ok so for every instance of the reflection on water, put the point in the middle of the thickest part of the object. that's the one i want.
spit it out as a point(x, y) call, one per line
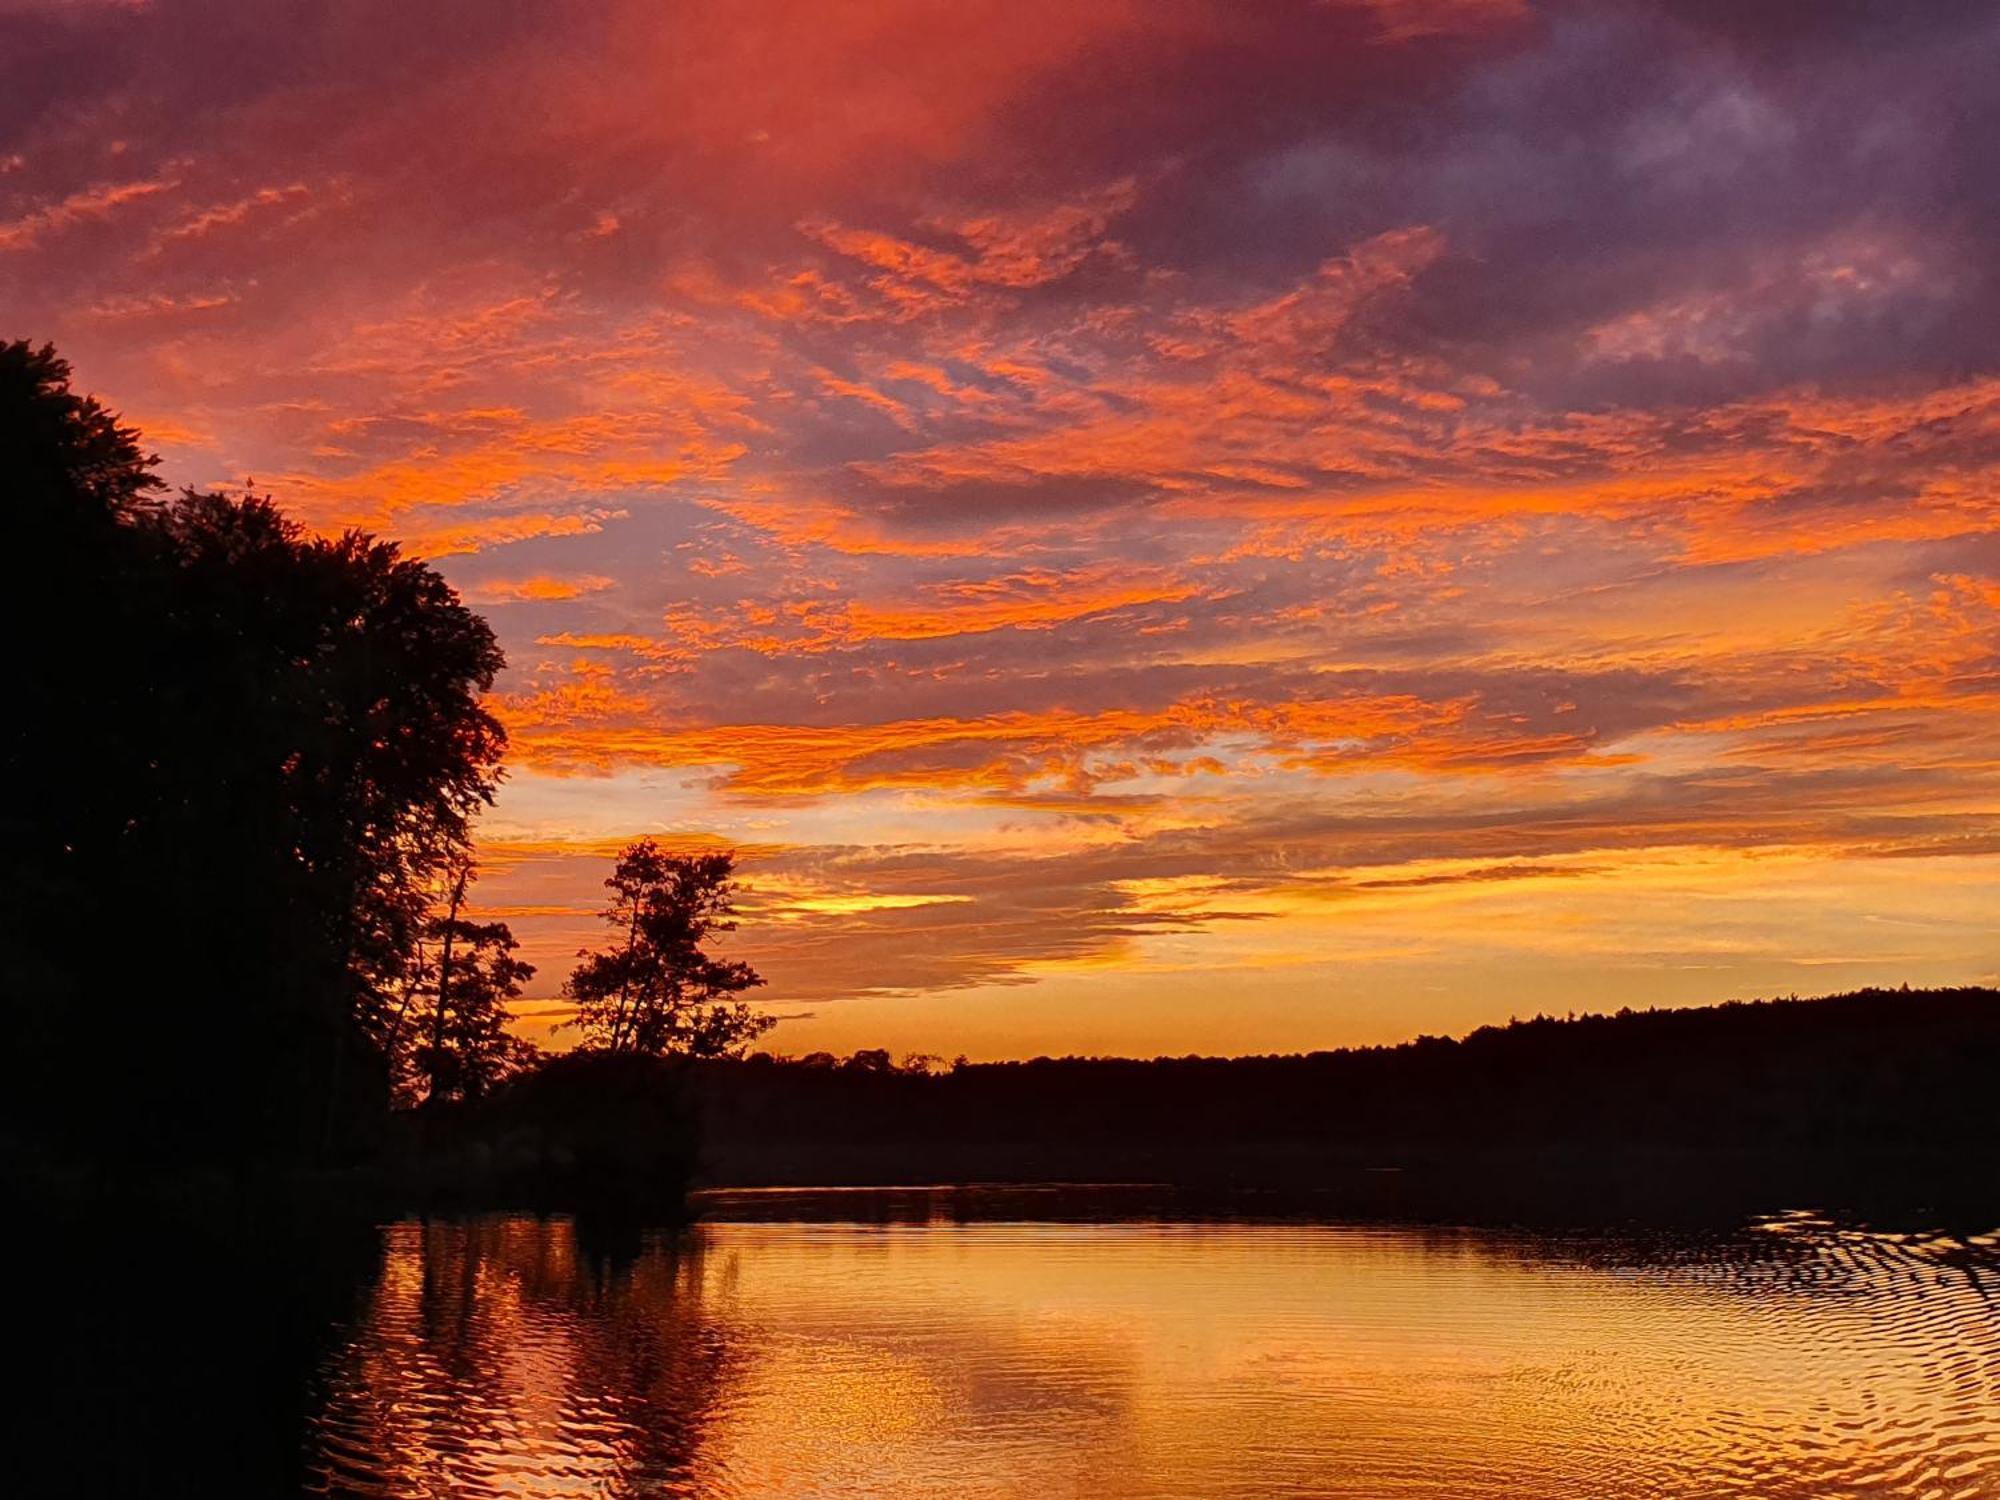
point(959, 1356)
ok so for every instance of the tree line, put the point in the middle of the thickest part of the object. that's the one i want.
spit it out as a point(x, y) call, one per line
point(243, 767)
point(1849, 1074)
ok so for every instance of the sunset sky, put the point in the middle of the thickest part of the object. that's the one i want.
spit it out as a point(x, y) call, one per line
point(1154, 527)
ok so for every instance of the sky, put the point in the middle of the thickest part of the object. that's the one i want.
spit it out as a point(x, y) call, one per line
point(1152, 527)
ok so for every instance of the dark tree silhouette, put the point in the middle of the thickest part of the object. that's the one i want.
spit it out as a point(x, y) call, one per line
point(467, 1048)
point(657, 992)
point(75, 485)
point(1743, 1106)
point(241, 757)
point(70, 466)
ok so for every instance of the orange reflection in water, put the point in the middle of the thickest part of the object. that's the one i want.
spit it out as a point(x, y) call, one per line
point(951, 1358)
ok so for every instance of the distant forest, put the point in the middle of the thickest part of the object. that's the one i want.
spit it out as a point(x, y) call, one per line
point(1873, 1071)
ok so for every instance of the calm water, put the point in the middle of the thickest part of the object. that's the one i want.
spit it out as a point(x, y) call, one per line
point(835, 1345)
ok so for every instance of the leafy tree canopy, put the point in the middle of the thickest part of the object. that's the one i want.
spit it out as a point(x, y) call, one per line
point(240, 759)
point(658, 991)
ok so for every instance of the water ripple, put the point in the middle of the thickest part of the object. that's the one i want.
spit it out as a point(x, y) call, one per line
point(1795, 1357)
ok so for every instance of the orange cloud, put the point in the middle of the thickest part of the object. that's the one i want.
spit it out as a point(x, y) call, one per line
point(98, 201)
point(540, 588)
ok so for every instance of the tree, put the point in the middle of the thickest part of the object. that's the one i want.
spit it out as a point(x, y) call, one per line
point(74, 483)
point(244, 754)
point(468, 1049)
point(69, 464)
point(658, 991)
point(332, 687)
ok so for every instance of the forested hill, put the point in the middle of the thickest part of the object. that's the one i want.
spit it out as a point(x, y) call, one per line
point(1873, 1069)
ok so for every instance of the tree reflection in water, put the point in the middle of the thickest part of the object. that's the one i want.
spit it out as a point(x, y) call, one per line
point(515, 1356)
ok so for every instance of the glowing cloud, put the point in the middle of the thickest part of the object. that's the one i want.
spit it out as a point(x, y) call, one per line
point(1150, 525)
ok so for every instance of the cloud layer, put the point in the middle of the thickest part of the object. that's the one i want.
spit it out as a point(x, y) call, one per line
point(1155, 527)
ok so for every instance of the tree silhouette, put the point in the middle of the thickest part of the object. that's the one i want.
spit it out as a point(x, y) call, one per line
point(658, 992)
point(468, 1048)
point(74, 484)
point(248, 752)
point(69, 464)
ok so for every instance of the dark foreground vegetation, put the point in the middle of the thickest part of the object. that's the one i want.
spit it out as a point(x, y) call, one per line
point(239, 937)
point(1848, 1095)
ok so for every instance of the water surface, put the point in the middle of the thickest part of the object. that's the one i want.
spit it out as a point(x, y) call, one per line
point(824, 1345)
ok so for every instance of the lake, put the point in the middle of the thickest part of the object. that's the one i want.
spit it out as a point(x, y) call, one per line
point(960, 1344)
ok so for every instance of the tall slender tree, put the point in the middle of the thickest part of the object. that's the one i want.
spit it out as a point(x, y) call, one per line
point(469, 1048)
